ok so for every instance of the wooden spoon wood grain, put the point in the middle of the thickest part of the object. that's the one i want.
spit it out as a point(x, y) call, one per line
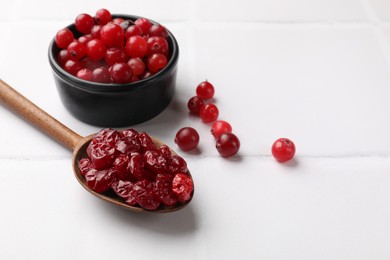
point(12, 99)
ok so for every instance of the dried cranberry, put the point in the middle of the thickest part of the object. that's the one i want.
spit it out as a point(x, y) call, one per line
point(136, 166)
point(177, 164)
point(85, 165)
point(130, 133)
point(122, 188)
point(182, 186)
point(128, 145)
point(121, 166)
point(155, 162)
point(165, 151)
point(143, 192)
point(107, 135)
point(163, 190)
point(100, 180)
point(102, 155)
point(146, 142)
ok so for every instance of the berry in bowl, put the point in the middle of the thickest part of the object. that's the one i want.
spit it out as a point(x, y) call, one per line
point(114, 70)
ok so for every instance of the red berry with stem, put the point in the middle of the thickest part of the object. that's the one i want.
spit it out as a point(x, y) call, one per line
point(144, 24)
point(63, 38)
point(283, 149)
point(136, 47)
point(112, 35)
point(205, 90)
point(121, 73)
point(84, 23)
point(103, 16)
point(209, 113)
point(156, 62)
point(95, 49)
point(227, 144)
point(76, 50)
point(220, 127)
point(187, 138)
point(194, 104)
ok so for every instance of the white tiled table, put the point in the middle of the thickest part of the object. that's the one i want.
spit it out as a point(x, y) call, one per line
point(316, 71)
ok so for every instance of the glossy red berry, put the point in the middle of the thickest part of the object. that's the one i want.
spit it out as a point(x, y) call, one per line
point(121, 73)
point(156, 62)
point(209, 113)
point(84, 23)
point(101, 75)
point(205, 90)
point(158, 30)
point(114, 55)
point(85, 74)
point(95, 49)
point(62, 57)
point(95, 31)
point(227, 144)
point(187, 138)
point(136, 47)
point(137, 65)
point(72, 66)
point(144, 24)
point(220, 127)
point(157, 44)
point(133, 30)
point(194, 104)
point(112, 35)
point(76, 50)
point(63, 38)
point(102, 16)
point(283, 149)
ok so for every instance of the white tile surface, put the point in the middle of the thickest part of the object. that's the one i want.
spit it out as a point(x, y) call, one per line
point(315, 71)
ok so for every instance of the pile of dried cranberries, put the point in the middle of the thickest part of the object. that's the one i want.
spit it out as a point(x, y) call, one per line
point(112, 50)
point(136, 169)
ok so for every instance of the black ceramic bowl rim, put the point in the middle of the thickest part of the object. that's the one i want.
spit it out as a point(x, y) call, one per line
point(112, 87)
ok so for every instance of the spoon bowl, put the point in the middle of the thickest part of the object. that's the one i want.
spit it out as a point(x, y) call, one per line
point(71, 140)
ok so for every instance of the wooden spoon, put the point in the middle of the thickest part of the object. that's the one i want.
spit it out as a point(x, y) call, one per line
point(65, 136)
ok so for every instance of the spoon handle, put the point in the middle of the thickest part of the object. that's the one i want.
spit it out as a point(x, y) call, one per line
point(36, 116)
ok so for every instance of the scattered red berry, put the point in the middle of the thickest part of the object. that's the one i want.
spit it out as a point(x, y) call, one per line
point(205, 90)
point(187, 138)
point(194, 104)
point(209, 113)
point(227, 144)
point(283, 149)
point(220, 127)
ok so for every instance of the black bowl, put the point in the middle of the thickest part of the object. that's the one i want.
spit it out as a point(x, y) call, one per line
point(116, 105)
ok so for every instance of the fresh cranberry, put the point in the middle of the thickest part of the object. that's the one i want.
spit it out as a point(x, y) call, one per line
point(114, 55)
point(101, 75)
point(220, 127)
point(96, 49)
point(102, 16)
point(194, 104)
point(76, 50)
point(187, 138)
point(144, 24)
point(121, 73)
point(157, 44)
point(227, 144)
point(209, 113)
point(182, 186)
point(156, 62)
point(95, 31)
point(158, 30)
point(85, 74)
point(84, 39)
point(133, 30)
point(62, 57)
point(118, 20)
point(205, 90)
point(63, 38)
point(72, 66)
point(112, 35)
point(136, 46)
point(84, 23)
point(283, 149)
point(137, 65)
